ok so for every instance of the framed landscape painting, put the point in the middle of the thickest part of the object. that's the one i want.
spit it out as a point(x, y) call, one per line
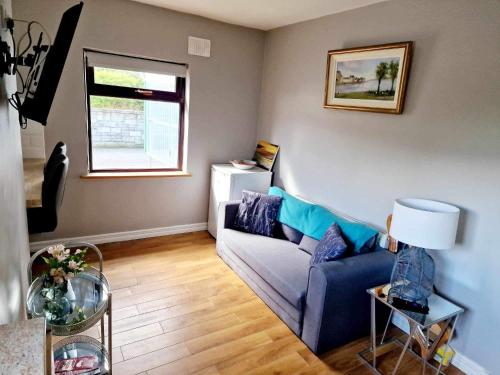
point(368, 78)
point(265, 154)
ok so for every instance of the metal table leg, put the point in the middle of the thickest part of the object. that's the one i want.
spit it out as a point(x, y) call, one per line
point(424, 357)
point(447, 345)
point(386, 326)
point(374, 332)
point(110, 340)
point(413, 328)
point(103, 338)
point(424, 365)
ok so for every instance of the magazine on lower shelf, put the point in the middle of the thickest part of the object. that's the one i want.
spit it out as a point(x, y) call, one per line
point(88, 365)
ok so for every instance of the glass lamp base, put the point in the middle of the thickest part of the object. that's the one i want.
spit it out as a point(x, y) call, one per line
point(412, 279)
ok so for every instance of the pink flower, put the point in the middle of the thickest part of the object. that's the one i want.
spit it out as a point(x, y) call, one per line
point(61, 258)
point(56, 251)
point(58, 275)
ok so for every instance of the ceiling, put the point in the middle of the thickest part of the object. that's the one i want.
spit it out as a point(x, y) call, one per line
point(261, 14)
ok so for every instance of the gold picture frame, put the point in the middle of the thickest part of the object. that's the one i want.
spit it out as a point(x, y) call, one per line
point(371, 79)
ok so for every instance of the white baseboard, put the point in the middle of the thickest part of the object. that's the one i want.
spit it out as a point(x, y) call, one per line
point(468, 366)
point(124, 236)
point(460, 361)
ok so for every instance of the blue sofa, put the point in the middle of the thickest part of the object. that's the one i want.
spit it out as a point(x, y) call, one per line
point(325, 305)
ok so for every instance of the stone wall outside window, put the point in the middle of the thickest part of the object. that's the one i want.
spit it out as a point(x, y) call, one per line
point(117, 128)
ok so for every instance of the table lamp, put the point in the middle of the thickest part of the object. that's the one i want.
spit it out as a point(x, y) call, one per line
point(419, 224)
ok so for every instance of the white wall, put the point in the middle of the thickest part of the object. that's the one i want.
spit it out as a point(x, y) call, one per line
point(33, 141)
point(14, 252)
point(445, 146)
point(224, 95)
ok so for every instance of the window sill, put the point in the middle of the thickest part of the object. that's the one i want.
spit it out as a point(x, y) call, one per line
point(103, 175)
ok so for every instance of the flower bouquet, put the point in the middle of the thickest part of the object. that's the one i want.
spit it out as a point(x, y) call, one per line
point(57, 291)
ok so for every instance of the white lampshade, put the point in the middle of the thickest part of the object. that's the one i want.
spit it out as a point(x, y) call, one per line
point(424, 223)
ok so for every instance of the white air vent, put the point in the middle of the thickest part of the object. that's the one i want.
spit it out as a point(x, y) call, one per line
point(198, 46)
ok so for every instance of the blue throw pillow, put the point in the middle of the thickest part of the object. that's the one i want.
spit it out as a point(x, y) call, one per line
point(257, 213)
point(313, 220)
point(332, 246)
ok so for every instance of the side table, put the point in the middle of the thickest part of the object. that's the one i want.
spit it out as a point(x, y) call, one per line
point(441, 312)
point(91, 293)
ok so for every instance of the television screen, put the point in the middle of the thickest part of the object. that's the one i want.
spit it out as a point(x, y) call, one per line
point(40, 94)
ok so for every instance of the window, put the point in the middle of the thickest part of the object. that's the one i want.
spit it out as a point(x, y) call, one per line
point(135, 113)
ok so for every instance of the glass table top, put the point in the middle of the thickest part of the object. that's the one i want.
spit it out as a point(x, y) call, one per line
point(440, 308)
point(87, 291)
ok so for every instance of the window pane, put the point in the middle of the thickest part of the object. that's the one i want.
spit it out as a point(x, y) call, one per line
point(138, 80)
point(133, 134)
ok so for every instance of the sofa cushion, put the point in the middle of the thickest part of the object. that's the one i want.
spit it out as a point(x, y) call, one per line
point(288, 313)
point(313, 220)
point(332, 246)
point(290, 234)
point(257, 213)
point(278, 262)
point(308, 244)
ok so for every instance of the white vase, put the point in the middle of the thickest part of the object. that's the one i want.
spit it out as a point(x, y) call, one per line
point(70, 295)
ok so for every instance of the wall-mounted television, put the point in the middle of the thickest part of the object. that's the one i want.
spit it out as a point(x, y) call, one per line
point(42, 87)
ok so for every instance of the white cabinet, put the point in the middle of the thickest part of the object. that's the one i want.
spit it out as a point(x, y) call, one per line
point(227, 183)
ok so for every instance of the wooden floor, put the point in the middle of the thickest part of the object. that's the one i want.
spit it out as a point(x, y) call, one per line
point(178, 309)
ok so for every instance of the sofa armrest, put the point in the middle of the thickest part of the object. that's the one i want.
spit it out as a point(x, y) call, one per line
point(226, 214)
point(337, 305)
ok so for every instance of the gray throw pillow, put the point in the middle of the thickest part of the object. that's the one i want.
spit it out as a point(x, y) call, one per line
point(291, 234)
point(332, 246)
point(257, 213)
point(308, 244)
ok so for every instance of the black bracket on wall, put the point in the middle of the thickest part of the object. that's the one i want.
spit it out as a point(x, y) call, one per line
point(9, 61)
point(6, 62)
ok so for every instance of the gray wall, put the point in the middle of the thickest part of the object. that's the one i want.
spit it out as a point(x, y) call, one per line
point(224, 95)
point(445, 146)
point(14, 251)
